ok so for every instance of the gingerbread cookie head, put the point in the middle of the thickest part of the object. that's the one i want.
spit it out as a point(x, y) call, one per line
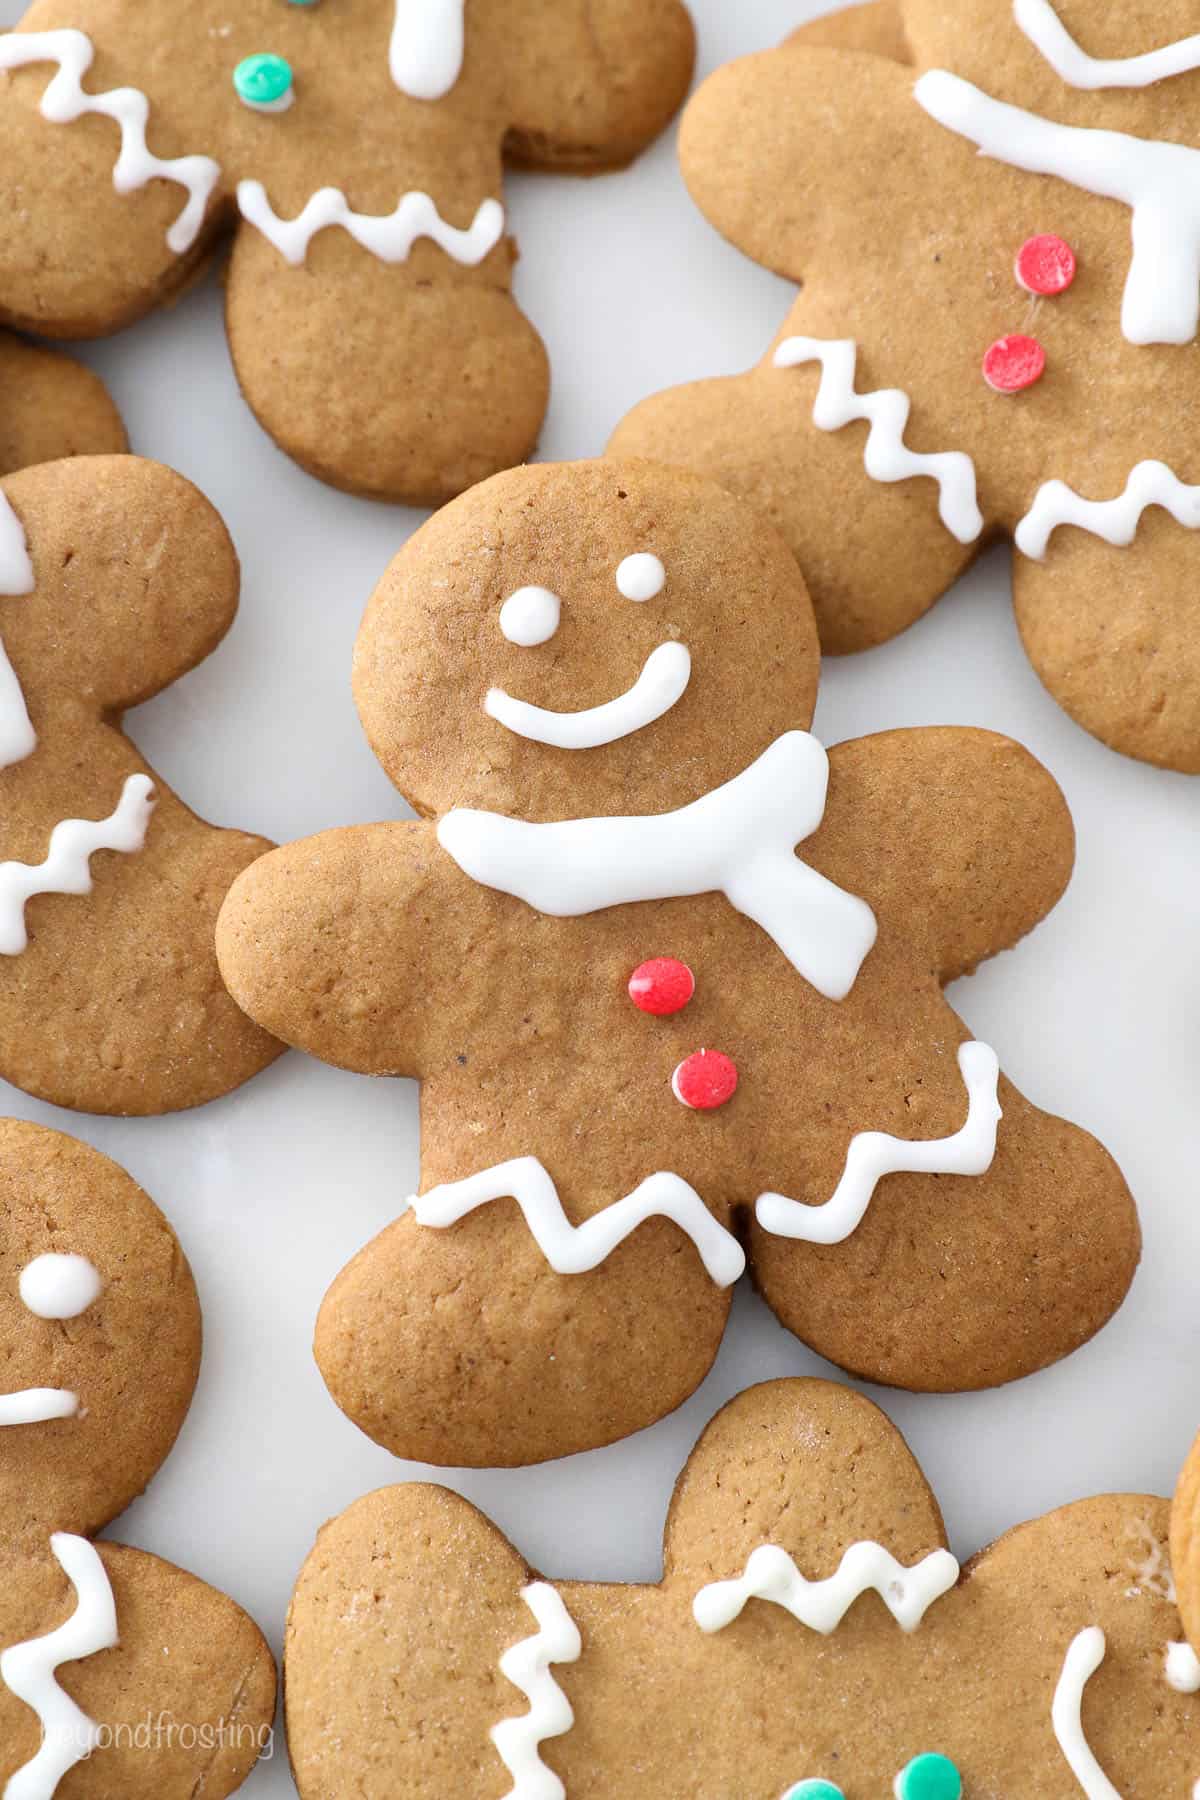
point(807, 1573)
point(51, 407)
point(979, 348)
point(116, 577)
point(101, 1332)
point(356, 146)
point(670, 975)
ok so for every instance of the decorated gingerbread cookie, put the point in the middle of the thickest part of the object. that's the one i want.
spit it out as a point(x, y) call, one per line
point(995, 335)
point(654, 1038)
point(51, 407)
point(168, 1689)
point(355, 147)
point(812, 1638)
point(117, 577)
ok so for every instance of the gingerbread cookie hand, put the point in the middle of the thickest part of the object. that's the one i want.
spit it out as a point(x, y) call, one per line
point(976, 349)
point(806, 1572)
point(356, 150)
point(670, 977)
point(51, 407)
point(171, 1686)
point(118, 577)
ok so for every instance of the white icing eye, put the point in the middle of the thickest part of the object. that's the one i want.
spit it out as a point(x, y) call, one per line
point(530, 616)
point(60, 1287)
point(641, 577)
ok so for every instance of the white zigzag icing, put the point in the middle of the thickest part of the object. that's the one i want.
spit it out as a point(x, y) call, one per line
point(65, 101)
point(1117, 521)
point(1042, 25)
point(28, 1670)
point(874, 1154)
point(389, 236)
point(771, 1575)
point(1083, 1658)
point(527, 1666)
point(886, 457)
point(574, 1249)
point(66, 869)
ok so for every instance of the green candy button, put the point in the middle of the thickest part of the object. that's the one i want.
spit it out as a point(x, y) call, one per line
point(263, 80)
point(929, 1777)
point(814, 1790)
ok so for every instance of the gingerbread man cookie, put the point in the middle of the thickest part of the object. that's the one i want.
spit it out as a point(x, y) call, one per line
point(978, 349)
point(117, 577)
point(355, 147)
point(51, 407)
point(167, 1689)
point(812, 1638)
point(655, 1039)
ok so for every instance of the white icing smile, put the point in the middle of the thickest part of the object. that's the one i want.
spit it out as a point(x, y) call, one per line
point(37, 1406)
point(661, 684)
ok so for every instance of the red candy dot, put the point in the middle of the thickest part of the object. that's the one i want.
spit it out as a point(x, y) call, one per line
point(705, 1080)
point(1014, 363)
point(661, 986)
point(1046, 265)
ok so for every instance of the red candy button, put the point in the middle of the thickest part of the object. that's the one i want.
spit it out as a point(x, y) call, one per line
point(661, 986)
point(1014, 363)
point(1046, 265)
point(705, 1080)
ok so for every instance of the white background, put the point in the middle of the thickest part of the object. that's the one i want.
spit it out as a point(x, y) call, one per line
point(1097, 1016)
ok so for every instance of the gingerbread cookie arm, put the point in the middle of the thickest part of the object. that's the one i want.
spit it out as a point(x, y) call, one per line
point(971, 845)
point(609, 76)
point(876, 26)
point(106, 1642)
point(1094, 625)
point(350, 945)
point(1185, 1544)
point(51, 406)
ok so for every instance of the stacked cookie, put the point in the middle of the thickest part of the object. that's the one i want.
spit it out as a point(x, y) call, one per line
point(670, 974)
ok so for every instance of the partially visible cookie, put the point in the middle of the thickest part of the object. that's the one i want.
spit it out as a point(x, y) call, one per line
point(119, 577)
point(812, 1638)
point(51, 406)
point(171, 1685)
point(1185, 1544)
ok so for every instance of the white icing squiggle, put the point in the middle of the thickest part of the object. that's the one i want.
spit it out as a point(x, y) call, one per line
point(738, 840)
point(66, 869)
point(1080, 1664)
point(1117, 521)
point(661, 684)
point(822, 1605)
point(16, 569)
point(17, 736)
point(575, 1249)
point(527, 1666)
point(1183, 1669)
point(428, 43)
point(37, 1406)
point(874, 1154)
point(65, 101)
point(886, 456)
point(1158, 181)
point(1042, 25)
point(28, 1670)
point(389, 236)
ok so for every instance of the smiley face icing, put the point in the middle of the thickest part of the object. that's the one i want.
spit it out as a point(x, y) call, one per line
point(116, 577)
point(355, 151)
point(100, 1347)
point(673, 991)
point(812, 1638)
point(995, 334)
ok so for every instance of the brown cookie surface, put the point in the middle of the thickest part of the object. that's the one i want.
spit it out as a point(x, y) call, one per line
point(100, 1328)
point(110, 999)
point(368, 300)
point(861, 179)
point(564, 1277)
point(1185, 1544)
point(810, 1626)
point(51, 407)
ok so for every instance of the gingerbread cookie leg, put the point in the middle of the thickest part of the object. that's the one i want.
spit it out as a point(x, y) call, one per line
point(51, 407)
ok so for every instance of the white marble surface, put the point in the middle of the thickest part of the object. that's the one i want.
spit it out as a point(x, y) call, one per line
point(1097, 1016)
